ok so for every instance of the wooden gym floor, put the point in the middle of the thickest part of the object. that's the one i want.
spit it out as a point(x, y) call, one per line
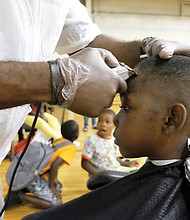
point(73, 177)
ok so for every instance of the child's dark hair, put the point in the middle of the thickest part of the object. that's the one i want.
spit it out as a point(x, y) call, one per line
point(165, 72)
point(108, 111)
point(70, 130)
point(171, 77)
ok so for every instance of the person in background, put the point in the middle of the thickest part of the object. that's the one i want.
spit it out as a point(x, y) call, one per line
point(86, 119)
point(33, 112)
point(45, 191)
point(100, 153)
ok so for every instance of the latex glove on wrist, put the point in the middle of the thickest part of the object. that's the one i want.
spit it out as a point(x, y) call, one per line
point(165, 49)
point(90, 83)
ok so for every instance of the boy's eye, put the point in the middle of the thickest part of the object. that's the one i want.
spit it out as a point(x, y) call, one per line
point(124, 108)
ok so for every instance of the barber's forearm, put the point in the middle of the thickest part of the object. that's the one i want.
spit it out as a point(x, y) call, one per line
point(23, 83)
point(127, 52)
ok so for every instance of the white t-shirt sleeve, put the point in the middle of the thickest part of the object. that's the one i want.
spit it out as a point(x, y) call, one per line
point(78, 31)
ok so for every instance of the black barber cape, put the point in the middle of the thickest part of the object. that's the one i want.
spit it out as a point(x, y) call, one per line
point(152, 193)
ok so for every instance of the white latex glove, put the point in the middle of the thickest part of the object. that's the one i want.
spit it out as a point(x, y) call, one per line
point(164, 48)
point(90, 83)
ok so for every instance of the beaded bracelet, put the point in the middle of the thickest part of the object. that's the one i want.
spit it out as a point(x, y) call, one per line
point(55, 80)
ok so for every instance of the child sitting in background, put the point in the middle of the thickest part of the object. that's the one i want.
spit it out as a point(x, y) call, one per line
point(47, 189)
point(154, 121)
point(100, 153)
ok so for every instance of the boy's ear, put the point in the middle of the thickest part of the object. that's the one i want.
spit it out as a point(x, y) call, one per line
point(176, 118)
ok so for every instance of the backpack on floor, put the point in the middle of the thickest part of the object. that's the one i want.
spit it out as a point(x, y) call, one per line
point(34, 160)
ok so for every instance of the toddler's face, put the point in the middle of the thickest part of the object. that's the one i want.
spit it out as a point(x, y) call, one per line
point(139, 122)
point(105, 125)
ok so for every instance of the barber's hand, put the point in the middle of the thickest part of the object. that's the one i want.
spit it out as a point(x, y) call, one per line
point(164, 48)
point(90, 83)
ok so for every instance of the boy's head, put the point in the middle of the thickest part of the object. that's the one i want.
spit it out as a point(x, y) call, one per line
point(154, 116)
point(105, 124)
point(70, 130)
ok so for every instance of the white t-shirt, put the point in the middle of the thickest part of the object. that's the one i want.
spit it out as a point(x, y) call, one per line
point(32, 30)
point(101, 152)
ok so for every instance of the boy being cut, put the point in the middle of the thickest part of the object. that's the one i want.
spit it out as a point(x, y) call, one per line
point(154, 121)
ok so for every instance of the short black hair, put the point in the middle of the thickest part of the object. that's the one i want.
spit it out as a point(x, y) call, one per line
point(171, 77)
point(174, 70)
point(70, 130)
point(109, 112)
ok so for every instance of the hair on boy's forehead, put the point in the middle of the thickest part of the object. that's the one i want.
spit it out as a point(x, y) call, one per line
point(164, 80)
point(165, 72)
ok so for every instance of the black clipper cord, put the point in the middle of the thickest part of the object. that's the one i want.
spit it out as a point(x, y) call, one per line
point(21, 156)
